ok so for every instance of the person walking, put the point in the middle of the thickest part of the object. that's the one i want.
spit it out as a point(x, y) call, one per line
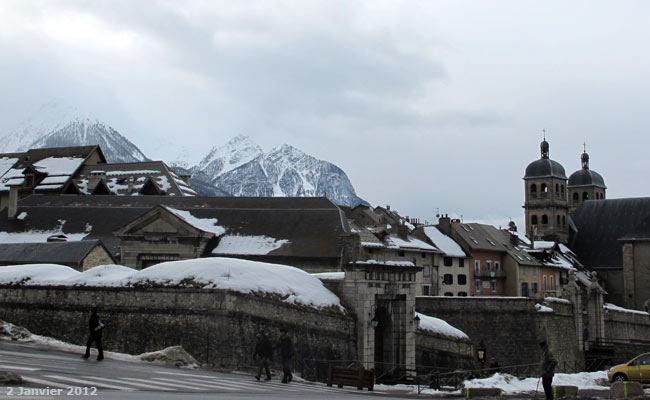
point(263, 350)
point(95, 326)
point(287, 351)
point(547, 369)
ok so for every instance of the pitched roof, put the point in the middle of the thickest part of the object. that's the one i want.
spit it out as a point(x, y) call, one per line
point(600, 225)
point(443, 242)
point(130, 178)
point(66, 253)
point(476, 237)
point(312, 227)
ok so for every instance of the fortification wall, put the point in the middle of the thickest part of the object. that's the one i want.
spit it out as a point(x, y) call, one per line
point(217, 327)
point(629, 332)
point(441, 351)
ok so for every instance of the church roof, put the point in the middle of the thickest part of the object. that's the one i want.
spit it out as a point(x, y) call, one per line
point(545, 167)
point(586, 177)
point(601, 225)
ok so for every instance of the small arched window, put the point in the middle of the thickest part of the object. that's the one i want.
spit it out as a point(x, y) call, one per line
point(557, 190)
point(533, 220)
point(576, 198)
point(544, 188)
point(585, 196)
point(562, 188)
point(558, 220)
point(533, 189)
point(544, 219)
point(563, 220)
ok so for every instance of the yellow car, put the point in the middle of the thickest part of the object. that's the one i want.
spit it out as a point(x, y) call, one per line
point(637, 369)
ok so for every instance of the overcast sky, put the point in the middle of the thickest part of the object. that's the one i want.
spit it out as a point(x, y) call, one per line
point(427, 105)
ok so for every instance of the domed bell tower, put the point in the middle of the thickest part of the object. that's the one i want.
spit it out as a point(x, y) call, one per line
point(545, 205)
point(585, 184)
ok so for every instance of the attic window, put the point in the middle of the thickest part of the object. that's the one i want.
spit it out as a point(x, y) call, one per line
point(491, 242)
point(474, 240)
point(465, 227)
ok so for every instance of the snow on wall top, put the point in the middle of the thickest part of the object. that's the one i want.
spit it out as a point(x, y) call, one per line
point(293, 285)
point(446, 244)
point(248, 245)
point(205, 224)
point(439, 326)
point(613, 307)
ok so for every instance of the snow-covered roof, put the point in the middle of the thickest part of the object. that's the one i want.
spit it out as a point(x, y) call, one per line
point(248, 245)
point(293, 285)
point(437, 325)
point(208, 225)
point(392, 263)
point(329, 276)
point(396, 242)
point(443, 242)
point(557, 300)
point(540, 244)
point(59, 166)
point(6, 163)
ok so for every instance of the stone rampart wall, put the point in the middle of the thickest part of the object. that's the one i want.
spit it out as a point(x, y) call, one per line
point(441, 351)
point(628, 332)
point(217, 327)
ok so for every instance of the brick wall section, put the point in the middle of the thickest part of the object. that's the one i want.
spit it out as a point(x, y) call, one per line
point(216, 327)
point(629, 331)
point(443, 352)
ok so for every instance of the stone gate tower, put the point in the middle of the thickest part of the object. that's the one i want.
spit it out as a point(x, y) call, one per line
point(546, 206)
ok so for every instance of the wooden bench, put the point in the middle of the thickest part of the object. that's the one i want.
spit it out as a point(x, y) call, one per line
point(358, 377)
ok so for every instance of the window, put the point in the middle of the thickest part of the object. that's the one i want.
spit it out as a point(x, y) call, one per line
point(461, 263)
point(524, 289)
point(478, 285)
point(488, 265)
point(558, 220)
point(576, 198)
point(534, 287)
point(497, 266)
point(400, 253)
point(544, 188)
point(585, 196)
point(448, 261)
point(462, 279)
point(424, 255)
point(448, 279)
point(557, 190)
point(544, 219)
point(545, 287)
point(523, 270)
point(552, 283)
point(563, 220)
point(462, 294)
point(450, 294)
point(533, 190)
point(533, 271)
point(533, 220)
point(493, 285)
point(562, 189)
point(426, 290)
point(426, 271)
point(477, 267)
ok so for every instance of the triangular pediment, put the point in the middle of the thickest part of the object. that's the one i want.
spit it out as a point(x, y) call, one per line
point(159, 221)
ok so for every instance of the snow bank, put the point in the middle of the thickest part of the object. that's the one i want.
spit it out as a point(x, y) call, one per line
point(102, 275)
point(437, 325)
point(613, 307)
point(36, 274)
point(542, 308)
point(513, 385)
point(291, 284)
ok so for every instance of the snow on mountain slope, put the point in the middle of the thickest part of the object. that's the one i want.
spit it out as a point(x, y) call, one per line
point(81, 132)
point(284, 171)
point(222, 159)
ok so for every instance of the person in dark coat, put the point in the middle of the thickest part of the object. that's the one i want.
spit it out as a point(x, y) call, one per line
point(263, 354)
point(287, 351)
point(95, 325)
point(547, 369)
point(494, 366)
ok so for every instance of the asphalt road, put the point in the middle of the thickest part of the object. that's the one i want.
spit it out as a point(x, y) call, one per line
point(55, 374)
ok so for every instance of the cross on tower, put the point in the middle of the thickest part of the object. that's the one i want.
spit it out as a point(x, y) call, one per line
point(544, 130)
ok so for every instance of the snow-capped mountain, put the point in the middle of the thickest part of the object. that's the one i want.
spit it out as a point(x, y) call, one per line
point(57, 125)
point(241, 168)
point(81, 132)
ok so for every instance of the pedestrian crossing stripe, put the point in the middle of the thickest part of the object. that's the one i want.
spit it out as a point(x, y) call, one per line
point(226, 384)
point(45, 382)
point(19, 368)
point(90, 383)
point(203, 385)
point(137, 384)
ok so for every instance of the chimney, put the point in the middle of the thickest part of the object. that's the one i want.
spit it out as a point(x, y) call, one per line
point(388, 207)
point(12, 207)
point(94, 178)
point(514, 239)
point(402, 231)
point(444, 224)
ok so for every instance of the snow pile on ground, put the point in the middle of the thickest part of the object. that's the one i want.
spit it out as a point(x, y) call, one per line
point(437, 325)
point(290, 284)
point(13, 332)
point(175, 355)
point(36, 274)
point(513, 385)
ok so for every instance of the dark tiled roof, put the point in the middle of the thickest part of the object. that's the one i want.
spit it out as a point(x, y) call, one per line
point(601, 224)
point(313, 226)
point(34, 155)
point(65, 253)
point(545, 167)
point(586, 177)
point(129, 178)
point(476, 237)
